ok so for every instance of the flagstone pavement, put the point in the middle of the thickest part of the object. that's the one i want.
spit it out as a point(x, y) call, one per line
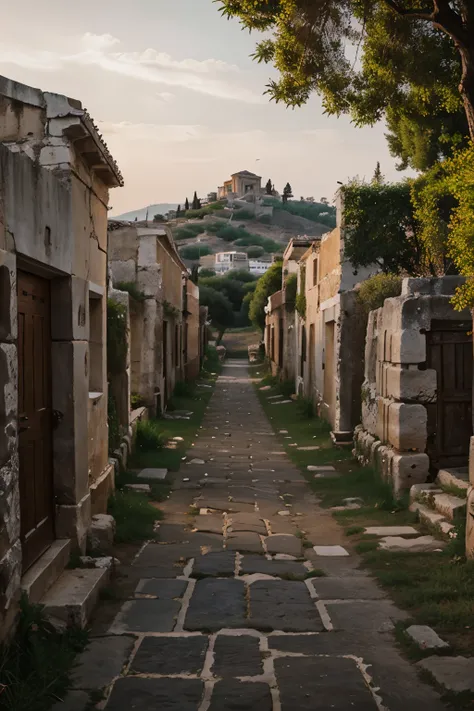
point(226, 614)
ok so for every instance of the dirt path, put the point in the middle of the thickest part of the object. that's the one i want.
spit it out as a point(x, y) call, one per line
point(207, 628)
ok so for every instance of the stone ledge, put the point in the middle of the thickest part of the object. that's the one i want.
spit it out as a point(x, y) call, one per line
point(44, 573)
point(74, 595)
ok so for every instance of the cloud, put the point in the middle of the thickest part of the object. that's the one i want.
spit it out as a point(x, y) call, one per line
point(165, 96)
point(150, 132)
point(209, 76)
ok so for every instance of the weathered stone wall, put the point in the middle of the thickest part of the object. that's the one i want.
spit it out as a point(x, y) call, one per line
point(397, 385)
point(191, 345)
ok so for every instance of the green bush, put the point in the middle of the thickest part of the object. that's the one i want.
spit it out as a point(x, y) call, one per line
point(314, 211)
point(205, 272)
point(300, 305)
point(305, 407)
point(149, 435)
point(35, 665)
point(291, 286)
point(134, 516)
point(188, 230)
point(116, 338)
point(373, 292)
point(136, 401)
point(265, 219)
point(255, 252)
point(199, 214)
point(184, 389)
point(194, 251)
point(243, 214)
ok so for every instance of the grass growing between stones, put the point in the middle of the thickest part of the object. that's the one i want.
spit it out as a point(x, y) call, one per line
point(134, 516)
point(35, 666)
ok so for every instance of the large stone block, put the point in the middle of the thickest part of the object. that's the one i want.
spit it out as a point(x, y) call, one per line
point(74, 521)
point(70, 399)
point(407, 346)
point(123, 271)
point(8, 401)
point(149, 280)
point(410, 384)
point(70, 316)
point(101, 533)
point(408, 469)
point(407, 426)
point(10, 590)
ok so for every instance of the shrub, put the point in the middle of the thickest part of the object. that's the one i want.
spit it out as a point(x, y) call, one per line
point(305, 407)
point(134, 516)
point(255, 252)
point(205, 272)
point(265, 219)
point(149, 435)
point(183, 389)
point(194, 251)
point(291, 286)
point(116, 338)
point(373, 292)
point(199, 213)
point(188, 231)
point(132, 289)
point(136, 401)
point(244, 214)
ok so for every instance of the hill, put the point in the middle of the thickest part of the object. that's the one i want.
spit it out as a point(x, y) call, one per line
point(158, 209)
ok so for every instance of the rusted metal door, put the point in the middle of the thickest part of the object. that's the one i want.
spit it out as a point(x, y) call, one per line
point(35, 416)
point(449, 352)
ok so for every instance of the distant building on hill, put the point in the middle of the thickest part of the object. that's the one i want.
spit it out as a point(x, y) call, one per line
point(226, 261)
point(240, 184)
point(260, 265)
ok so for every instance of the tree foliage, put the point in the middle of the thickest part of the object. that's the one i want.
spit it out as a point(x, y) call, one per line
point(410, 57)
point(373, 291)
point(195, 251)
point(381, 228)
point(444, 206)
point(220, 308)
point(196, 204)
point(291, 287)
point(269, 187)
point(268, 284)
point(287, 193)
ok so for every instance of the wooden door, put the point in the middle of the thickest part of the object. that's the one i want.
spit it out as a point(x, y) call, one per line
point(449, 352)
point(35, 416)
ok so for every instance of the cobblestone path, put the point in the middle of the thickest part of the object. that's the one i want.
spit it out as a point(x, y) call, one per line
point(226, 614)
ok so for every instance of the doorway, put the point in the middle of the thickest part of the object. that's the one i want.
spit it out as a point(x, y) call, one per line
point(35, 416)
point(329, 370)
point(449, 352)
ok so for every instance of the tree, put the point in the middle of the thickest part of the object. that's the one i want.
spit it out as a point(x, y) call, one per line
point(381, 228)
point(269, 187)
point(378, 177)
point(287, 192)
point(194, 251)
point(178, 211)
point(186, 204)
point(196, 204)
point(255, 252)
point(205, 272)
point(220, 308)
point(268, 284)
point(159, 218)
point(404, 46)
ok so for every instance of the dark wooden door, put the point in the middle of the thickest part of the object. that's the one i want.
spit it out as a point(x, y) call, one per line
point(449, 352)
point(35, 416)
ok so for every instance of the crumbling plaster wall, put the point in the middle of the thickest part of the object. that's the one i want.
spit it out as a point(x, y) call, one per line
point(397, 386)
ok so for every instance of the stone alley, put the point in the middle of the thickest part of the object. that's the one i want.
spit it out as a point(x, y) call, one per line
point(229, 610)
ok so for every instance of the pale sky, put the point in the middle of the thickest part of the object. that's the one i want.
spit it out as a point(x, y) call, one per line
point(178, 99)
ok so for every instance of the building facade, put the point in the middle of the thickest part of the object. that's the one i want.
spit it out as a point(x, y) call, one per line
point(240, 184)
point(55, 176)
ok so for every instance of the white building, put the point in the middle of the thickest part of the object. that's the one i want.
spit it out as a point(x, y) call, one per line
point(260, 266)
point(227, 261)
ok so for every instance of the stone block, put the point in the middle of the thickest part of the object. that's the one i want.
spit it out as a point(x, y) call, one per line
point(73, 597)
point(71, 400)
point(101, 662)
point(453, 673)
point(411, 384)
point(10, 577)
point(409, 469)
point(70, 316)
point(102, 489)
point(39, 578)
point(414, 545)
point(408, 346)
point(452, 507)
point(284, 543)
point(123, 271)
point(425, 637)
point(101, 533)
point(73, 521)
point(407, 426)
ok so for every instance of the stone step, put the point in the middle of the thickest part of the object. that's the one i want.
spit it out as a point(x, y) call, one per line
point(450, 506)
point(457, 479)
point(431, 519)
point(74, 595)
point(46, 571)
point(419, 492)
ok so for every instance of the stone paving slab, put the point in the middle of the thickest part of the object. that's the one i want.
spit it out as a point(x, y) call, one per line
point(217, 604)
point(101, 662)
point(283, 605)
point(146, 616)
point(247, 522)
point(453, 673)
point(322, 683)
point(236, 656)
point(153, 474)
point(73, 701)
point(284, 543)
point(330, 551)
point(170, 655)
point(221, 564)
point(278, 568)
point(244, 542)
point(141, 694)
point(162, 588)
point(347, 588)
point(371, 616)
point(241, 696)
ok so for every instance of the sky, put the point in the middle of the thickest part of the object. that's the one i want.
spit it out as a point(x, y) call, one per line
point(179, 100)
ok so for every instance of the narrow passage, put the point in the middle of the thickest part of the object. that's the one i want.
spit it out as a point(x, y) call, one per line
point(231, 610)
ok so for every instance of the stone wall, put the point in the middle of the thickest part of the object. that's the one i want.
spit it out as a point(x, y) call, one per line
point(397, 385)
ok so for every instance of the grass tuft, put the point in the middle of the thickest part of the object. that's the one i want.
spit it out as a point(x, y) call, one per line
point(134, 516)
